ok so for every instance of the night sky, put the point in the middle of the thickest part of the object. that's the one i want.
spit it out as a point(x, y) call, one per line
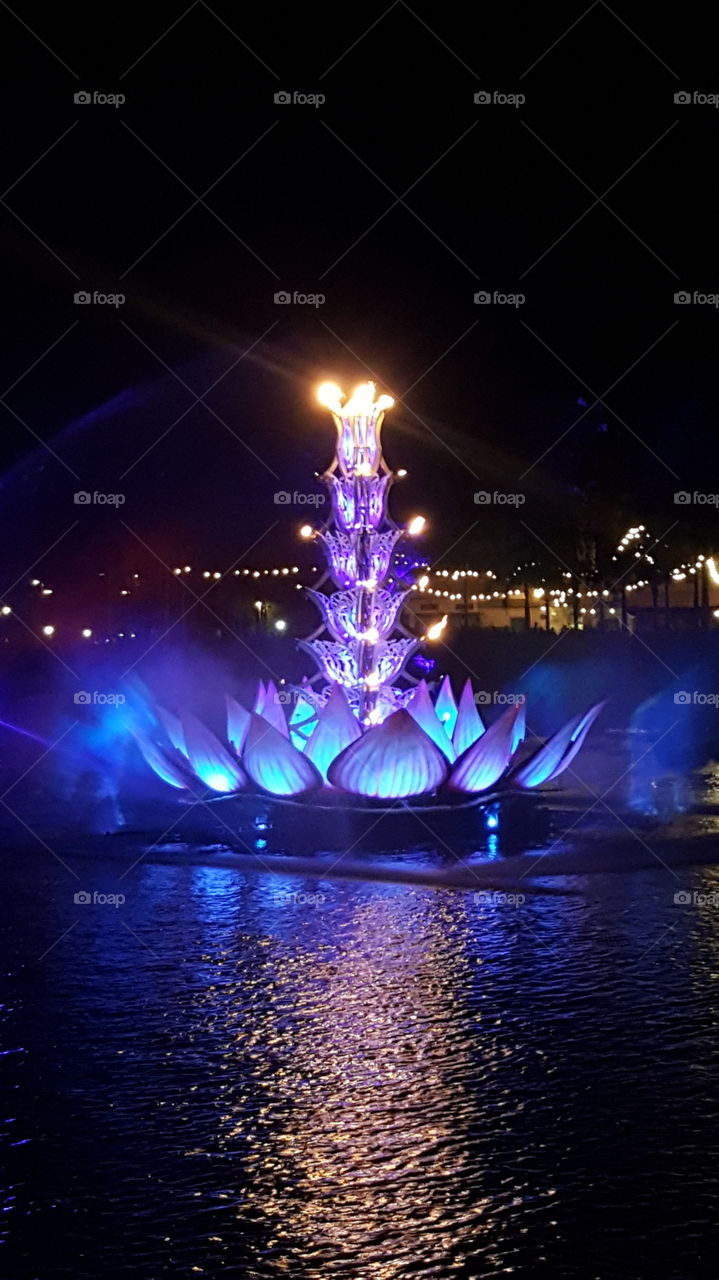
point(397, 199)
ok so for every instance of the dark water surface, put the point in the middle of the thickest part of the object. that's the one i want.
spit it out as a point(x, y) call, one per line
point(361, 1080)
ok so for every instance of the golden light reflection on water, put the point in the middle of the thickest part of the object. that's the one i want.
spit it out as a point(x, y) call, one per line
point(360, 1149)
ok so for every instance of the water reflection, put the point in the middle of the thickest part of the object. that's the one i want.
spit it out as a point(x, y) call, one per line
point(361, 1051)
point(271, 1076)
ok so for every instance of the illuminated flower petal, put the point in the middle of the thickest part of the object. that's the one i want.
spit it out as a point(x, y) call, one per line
point(260, 697)
point(520, 727)
point(272, 709)
point(210, 760)
point(337, 727)
point(469, 725)
point(390, 761)
point(557, 754)
point(274, 764)
point(238, 722)
point(446, 707)
point(161, 764)
point(486, 760)
point(422, 710)
point(173, 729)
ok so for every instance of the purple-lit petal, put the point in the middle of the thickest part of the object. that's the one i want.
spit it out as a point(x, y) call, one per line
point(486, 760)
point(272, 709)
point(469, 725)
point(274, 764)
point(391, 761)
point(422, 711)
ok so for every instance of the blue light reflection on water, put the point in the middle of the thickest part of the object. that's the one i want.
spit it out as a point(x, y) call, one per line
point(275, 1074)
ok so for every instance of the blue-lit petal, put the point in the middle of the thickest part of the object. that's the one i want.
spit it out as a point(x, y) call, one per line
point(337, 727)
point(210, 760)
point(173, 729)
point(557, 754)
point(390, 761)
point(238, 722)
point(161, 764)
point(303, 722)
point(446, 707)
point(520, 727)
point(486, 760)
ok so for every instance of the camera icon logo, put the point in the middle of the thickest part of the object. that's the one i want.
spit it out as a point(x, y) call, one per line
point(682, 698)
point(682, 97)
point(483, 97)
point(283, 297)
point(482, 498)
point(83, 298)
point(282, 498)
point(82, 498)
point(283, 97)
point(682, 498)
point(83, 97)
point(82, 897)
point(82, 698)
point(482, 299)
point(482, 698)
point(682, 299)
point(682, 898)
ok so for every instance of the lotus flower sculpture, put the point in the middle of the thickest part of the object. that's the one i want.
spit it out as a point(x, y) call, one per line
point(360, 732)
